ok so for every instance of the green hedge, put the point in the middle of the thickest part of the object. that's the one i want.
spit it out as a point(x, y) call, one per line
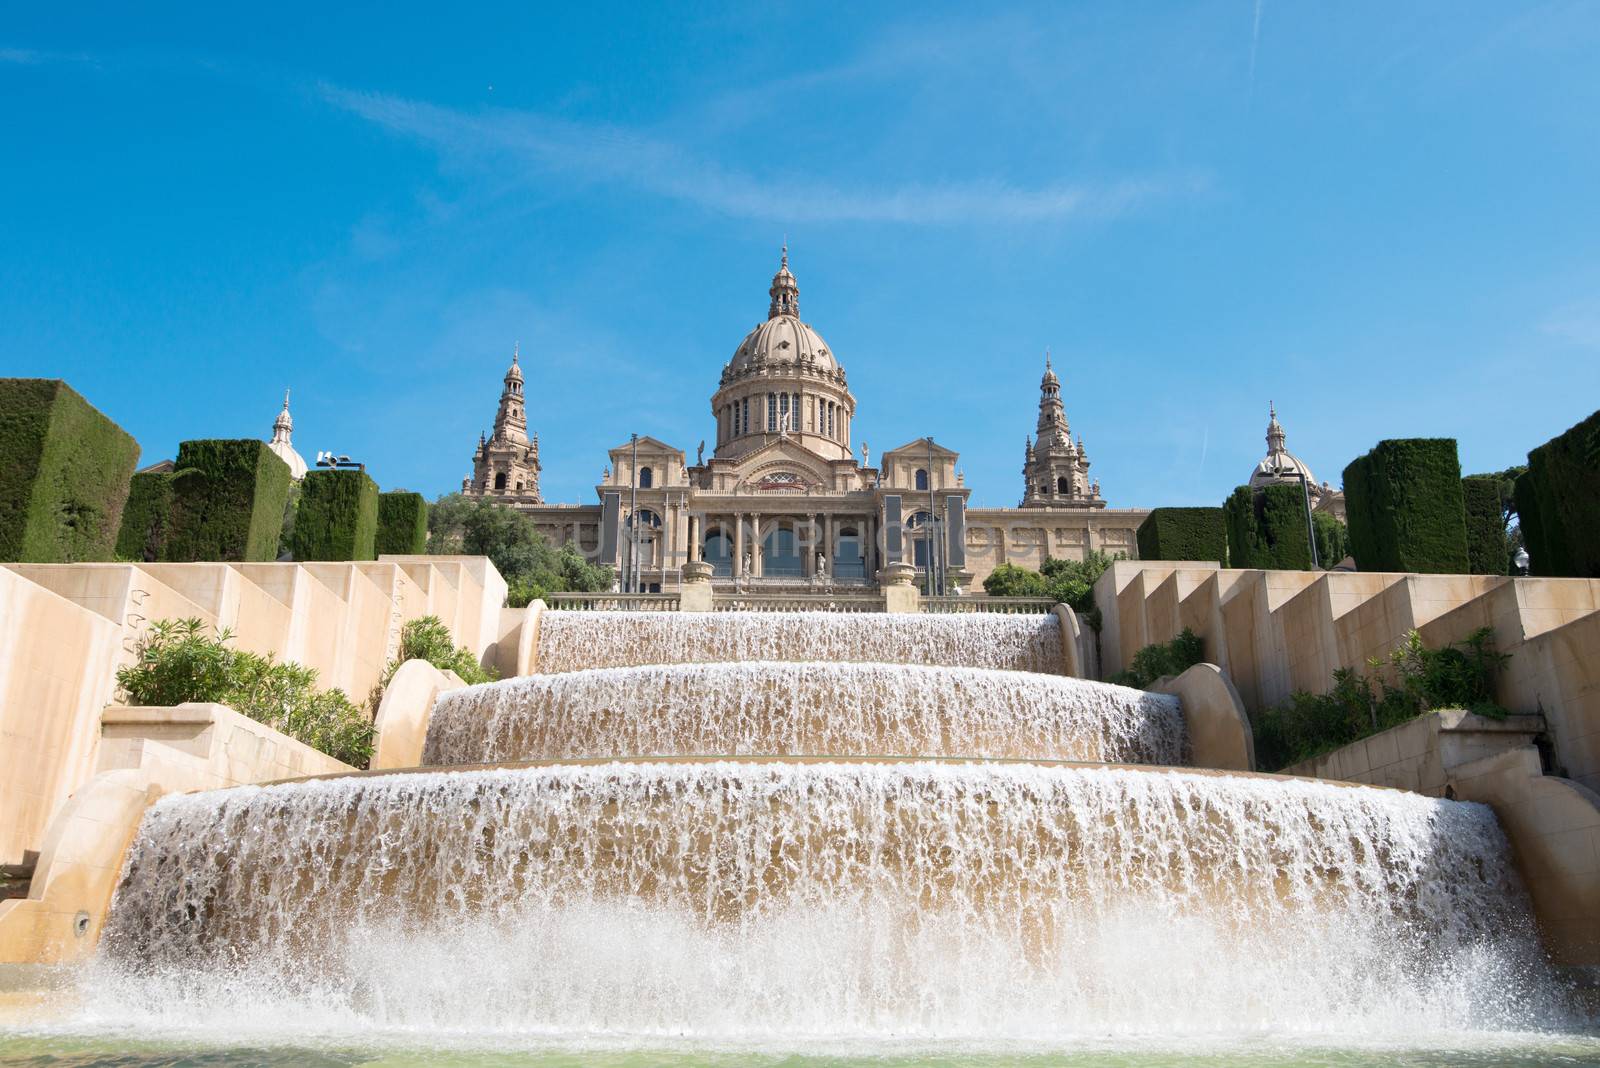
point(1184, 534)
point(227, 501)
point(1486, 532)
point(1267, 528)
point(1405, 507)
point(1558, 503)
point(143, 534)
point(337, 518)
point(1333, 539)
point(402, 524)
point(64, 470)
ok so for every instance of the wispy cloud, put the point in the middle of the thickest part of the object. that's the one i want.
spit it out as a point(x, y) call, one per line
point(29, 57)
point(585, 153)
point(1576, 323)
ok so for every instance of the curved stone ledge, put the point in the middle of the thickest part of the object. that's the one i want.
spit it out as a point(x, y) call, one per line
point(402, 719)
point(1554, 828)
point(1219, 729)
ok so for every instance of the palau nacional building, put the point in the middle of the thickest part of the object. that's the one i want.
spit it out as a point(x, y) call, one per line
point(787, 499)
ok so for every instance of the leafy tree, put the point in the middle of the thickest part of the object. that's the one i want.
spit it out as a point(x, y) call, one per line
point(529, 564)
point(1070, 582)
point(1333, 540)
point(1510, 517)
point(429, 639)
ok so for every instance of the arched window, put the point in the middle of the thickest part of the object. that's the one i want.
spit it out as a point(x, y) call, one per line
point(922, 478)
point(649, 519)
point(1063, 485)
point(772, 412)
point(780, 552)
point(849, 557)
point(500, 481)
point(647, 478)
point(921, 529)
point(718, 552)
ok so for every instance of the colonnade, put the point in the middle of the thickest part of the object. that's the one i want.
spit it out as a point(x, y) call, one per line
point(812, 533)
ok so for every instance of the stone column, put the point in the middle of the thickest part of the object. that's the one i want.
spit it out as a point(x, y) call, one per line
point(738, 545)
point(829, 525)
point(692, 550)
point(756, 561)
point(808, 565)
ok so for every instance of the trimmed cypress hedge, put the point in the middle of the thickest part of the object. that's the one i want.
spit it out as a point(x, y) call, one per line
point(144, 521)
point(1405, 508)
point(337, 518)
point(402, 524)
point(1184, 534)
point(1560, 504)
point(227, 501)
point(1486, 532)
point(1267, 528)
point(64, 470)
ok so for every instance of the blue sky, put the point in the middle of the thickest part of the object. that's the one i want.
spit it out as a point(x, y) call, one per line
point(1385, 217)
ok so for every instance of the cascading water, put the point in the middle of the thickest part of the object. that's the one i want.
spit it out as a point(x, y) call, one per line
point(726, 900)
point(771, 709)
point(573, 641)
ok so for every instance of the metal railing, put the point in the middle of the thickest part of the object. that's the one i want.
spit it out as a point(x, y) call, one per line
point(612, 602)
point(798, 602)
point(975, 603)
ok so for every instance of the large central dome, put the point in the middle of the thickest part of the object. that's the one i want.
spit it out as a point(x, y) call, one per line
point(783, 381)
point(783, 338)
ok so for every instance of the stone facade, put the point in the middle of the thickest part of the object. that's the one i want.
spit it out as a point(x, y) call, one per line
point(788, 498)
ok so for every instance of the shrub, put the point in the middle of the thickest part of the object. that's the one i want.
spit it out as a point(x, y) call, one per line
point(1267, 528)
point(143, 535)
point(1559, 503)
point(64, 471)
point(1333, 540)
point(1010, 580)
point(1486, 528)
point(1184, 534)
point(1161, 659)
point(337, 518)
point(176, 663)
point(1461, 675)
point(1405, 507)
point(402, 524)
point(227, 501)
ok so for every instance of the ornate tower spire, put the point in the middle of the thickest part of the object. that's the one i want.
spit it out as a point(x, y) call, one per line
point(283, 426)
point(1275, 434)
point(785, 291)
point(511, 421)
point(1052, 419)
point(1056, 472)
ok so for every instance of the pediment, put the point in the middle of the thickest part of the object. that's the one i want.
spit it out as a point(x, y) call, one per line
point(783, 467)
point(647, 446)
point(920, 447)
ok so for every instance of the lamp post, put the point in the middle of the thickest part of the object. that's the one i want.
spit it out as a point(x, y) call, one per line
point(632, 583)
point(1311, 529)
point(1520, 560)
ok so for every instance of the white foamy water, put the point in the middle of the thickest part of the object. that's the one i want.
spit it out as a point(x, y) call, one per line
point(727, 901)
point(805, 709)
point(572, 641)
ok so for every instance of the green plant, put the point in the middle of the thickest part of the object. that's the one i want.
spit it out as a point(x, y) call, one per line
point(528, 563)
point(337, 518)
point(1559, 503)
point(1184, 534)
point(402, 524)
point(1405, 508)
point(1333, 540)
point(1010, 580)
point(176, 662)
point(1161, 659)
point(1267, 528)
point(1409, 682)
point(428, 638)
point(1070, 582)
point(227, 501)
point(143, 535)
point(64, 471)
point(1486, 524)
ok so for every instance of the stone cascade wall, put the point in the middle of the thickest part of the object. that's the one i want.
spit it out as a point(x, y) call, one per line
point(66, 628)
point(1275, 632)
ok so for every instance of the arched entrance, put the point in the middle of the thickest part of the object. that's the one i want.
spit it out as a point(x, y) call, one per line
point(780, 552)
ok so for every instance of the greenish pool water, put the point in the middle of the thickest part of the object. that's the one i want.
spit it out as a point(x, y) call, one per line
point(81, 1051)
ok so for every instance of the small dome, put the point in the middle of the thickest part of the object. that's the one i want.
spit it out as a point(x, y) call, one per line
point(1280, 465)
point(282, 447)
point(514, 372)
